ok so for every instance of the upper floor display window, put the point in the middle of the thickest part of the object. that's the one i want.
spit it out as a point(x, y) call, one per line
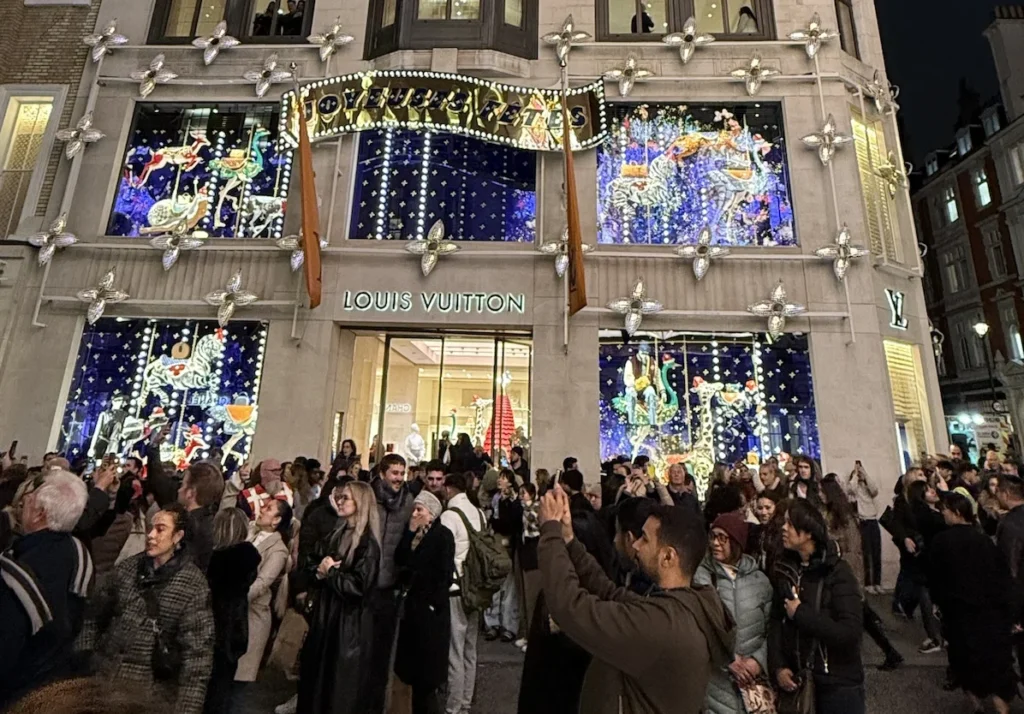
point(644, 20)
point(407, 180)
point(505, 25)
point(667, 171)
point(215, 166)
point(260, 21)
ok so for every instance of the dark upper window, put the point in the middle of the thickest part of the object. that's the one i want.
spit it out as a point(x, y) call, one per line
point(847, 28)
point(504, 25)
point(643, 19)
point(253, 20)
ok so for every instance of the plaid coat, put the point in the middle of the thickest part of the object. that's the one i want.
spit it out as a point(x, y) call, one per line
point(125, 631)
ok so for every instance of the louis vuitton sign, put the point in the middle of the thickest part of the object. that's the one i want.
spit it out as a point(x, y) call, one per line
point(524, 117)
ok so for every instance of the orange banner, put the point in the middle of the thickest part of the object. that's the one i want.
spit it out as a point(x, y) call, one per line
point(310, 212)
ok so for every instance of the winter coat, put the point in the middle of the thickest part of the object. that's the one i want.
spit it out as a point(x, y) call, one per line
point(850, 548)
point(320, 522)
point(126, 632)
point(837, 626)
point(1010, 540)
point(424, 632)
point(651, 655)
point(748, 598)
point(273, 563)
point(395, 509)
point(232, 571)
point(335, 662)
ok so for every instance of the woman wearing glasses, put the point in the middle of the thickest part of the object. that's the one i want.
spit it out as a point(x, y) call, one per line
point(334, 666)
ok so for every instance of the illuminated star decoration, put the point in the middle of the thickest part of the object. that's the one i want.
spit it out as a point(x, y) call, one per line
point(688, 40)
point(813, 36)
point(330, 41)
point(105, 41)
point(293, 243)
point(102, 295)
point(635, 307)
point(213, 44)
point(76, 139)
point(629, 75)
point(432, 247)
point(560, 249)
point(753, 74)
point(564, 39)
point(826, 140)
point(267, 76)
point(174, 242)
point(155, 74)
point(52, 238)
point(841, 253)
point(894, 176)
point(231, 297)
point(776, 309)
point(882, 93)
point(702, 253)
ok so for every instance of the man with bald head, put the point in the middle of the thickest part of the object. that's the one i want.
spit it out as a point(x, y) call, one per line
point(266, 484)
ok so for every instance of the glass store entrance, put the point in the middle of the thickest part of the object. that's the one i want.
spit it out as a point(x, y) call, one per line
point(437, 386)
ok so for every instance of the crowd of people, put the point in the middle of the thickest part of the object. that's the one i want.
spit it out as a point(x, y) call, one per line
point(371, 588)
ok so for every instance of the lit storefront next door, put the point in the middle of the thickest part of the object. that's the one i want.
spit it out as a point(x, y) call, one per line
point(408, 386)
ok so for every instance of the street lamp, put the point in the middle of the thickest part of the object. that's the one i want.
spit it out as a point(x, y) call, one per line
point(981, 329)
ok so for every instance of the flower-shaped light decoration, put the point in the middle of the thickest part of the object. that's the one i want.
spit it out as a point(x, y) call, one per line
point(688, 40)
point(560, 249)
point(231, 297)
point(153, 75)
point(629, 75)
point(882, 93)
point(76, 139)
point(813, 36)
point(52, 238)
point(330, 41)
point(826, 140)
point(776, 309)
point(293, 243)
point(105, 41)
point(212, 45)
point(841, 253)
point(174, 242)
point(432, 247)
point(753, 75)
point(635, 307)
point(702, 253)
point(270, 74)
point(564, 39)
point(895, 177)
point(102, 295)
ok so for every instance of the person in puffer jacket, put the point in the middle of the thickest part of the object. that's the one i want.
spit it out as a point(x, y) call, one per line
point(747, 595)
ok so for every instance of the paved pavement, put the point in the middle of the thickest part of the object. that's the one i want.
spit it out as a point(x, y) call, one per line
point(916, 687)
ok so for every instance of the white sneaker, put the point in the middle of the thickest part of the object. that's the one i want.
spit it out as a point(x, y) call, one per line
point(521, 643)
point(289, 707)
point(523, 648)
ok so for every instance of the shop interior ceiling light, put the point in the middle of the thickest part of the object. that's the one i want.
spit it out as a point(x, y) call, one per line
point(827, 140)
point(174, 242)
point(153, 75)
point(628, 75)
point(54, 237)
point(231, 297)
point(102, 295)
point(331, 41)
point(702, 253)
point(635, 307)
point(267, 76)
point(776, 309)
point(75, 140)
point(842, 252)
point(218, 40)
point(105, 41)
point(753, 75)
point(813, 36)
point(688, 40)
point(432, 247)
point(564, 39)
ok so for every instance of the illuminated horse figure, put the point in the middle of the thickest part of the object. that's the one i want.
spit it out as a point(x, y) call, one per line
point(186, 158)
point(239, 167)
point(195, 372)
point(743, 176)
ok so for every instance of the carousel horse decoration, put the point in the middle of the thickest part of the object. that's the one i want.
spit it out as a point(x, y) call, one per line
point(182, 371)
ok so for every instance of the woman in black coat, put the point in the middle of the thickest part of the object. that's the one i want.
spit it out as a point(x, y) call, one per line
point(426, 562)
point(335, 661)
point(925, 524)
point(970, 582)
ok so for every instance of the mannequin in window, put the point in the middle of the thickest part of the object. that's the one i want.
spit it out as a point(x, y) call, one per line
point(746, 24)
point(648, 22)
point(415, 447)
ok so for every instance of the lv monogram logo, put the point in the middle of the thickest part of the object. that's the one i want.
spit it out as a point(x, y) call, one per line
point(896, 301)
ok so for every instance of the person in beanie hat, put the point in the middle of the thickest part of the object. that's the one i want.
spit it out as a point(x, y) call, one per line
point(425, 560)
point(747, 594)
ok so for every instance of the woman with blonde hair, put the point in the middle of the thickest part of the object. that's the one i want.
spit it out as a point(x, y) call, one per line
point(335, 658)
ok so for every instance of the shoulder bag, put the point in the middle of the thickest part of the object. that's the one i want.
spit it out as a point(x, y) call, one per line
point(166, 657)
point(802, 700)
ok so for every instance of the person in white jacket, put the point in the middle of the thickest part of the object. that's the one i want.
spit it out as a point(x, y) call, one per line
point(863, 489)
point(465, 625)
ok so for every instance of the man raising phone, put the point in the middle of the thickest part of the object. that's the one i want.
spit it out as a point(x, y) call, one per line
point(651, 653)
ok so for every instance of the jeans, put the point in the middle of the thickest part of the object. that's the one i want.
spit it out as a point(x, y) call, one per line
point(840, 699)
point(873, 629)
point(504, 609)
point(871, 547)
point(904, 595)
point(931, 624)
point(462, 657)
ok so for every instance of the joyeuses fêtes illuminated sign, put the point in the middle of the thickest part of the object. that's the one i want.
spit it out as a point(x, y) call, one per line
point(397, 301)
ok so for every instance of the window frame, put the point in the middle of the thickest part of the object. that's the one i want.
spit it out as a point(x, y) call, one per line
point(964, 143)
point(676, 14)
point(993, 244)
point(979, 179)
point(236, 13)
point(949, 199)
point(853, 28)
point(1017, 163)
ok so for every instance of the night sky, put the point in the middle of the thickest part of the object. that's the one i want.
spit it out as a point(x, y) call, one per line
point(929, 45)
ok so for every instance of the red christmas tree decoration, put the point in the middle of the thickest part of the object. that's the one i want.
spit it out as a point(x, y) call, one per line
point(502, 426)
